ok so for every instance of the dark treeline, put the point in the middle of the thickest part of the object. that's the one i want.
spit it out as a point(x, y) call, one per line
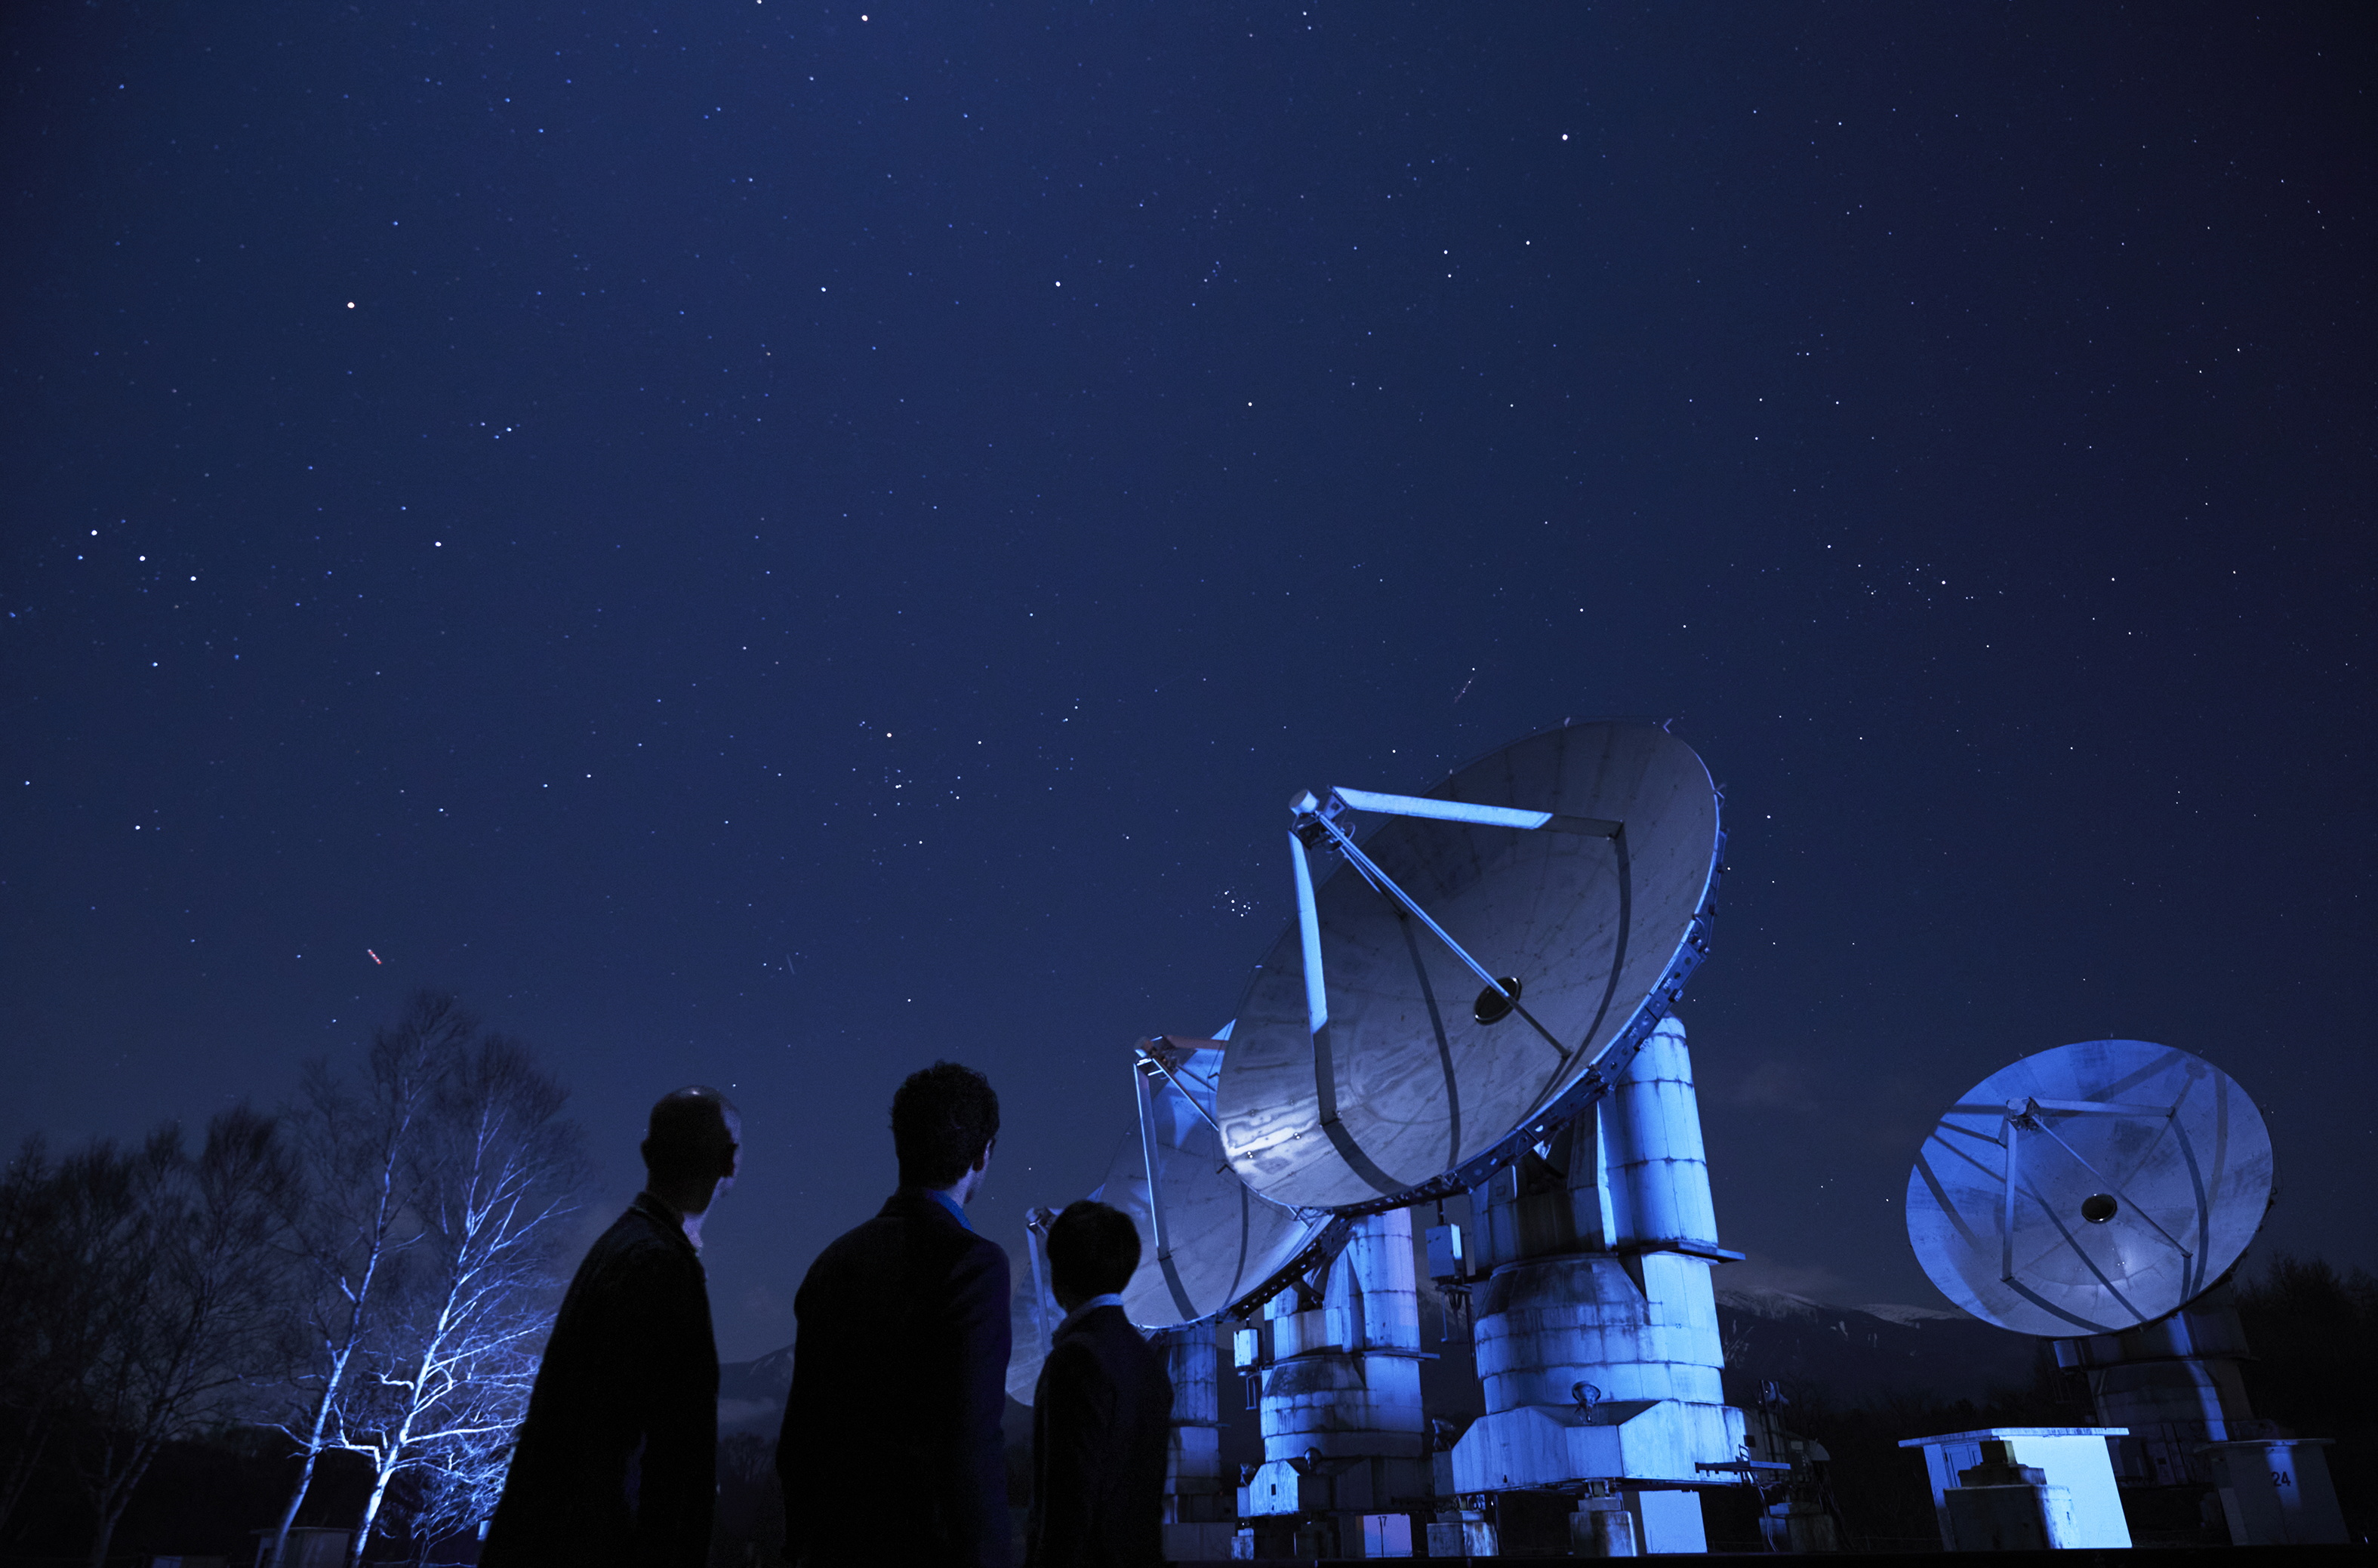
point(328, 1314)
point(324, 1314)
point(2314, 1336)
point(1878, 1489)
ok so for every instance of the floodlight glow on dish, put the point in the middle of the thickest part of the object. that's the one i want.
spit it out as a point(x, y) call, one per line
point(1567, 881)
point(2090, 1188)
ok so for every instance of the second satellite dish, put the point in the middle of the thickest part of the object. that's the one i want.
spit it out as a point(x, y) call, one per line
point(2090, 1188)
point(1208, 1240)
point(1479, 954)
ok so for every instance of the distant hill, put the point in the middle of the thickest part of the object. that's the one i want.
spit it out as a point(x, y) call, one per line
point(1860, 1355)
point(1857, 1355)
point(751, 1393)
point(751, 1399)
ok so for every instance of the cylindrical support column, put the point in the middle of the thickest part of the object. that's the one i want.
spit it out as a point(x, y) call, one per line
point(1546, 1326)
point(1193, 1360)
point(1342, 1426)
point(1331, 1390)
point(1377, 1286)
point(1193, 1493)
point(1659, 1170)
point(1342, 1406)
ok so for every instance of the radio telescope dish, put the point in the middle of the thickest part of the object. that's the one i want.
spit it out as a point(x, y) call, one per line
point(2090, 1188)
point(1208, 1240)
point(1378, 1059)
point(1489, 956)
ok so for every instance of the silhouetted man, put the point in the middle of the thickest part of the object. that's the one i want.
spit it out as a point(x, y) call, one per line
point(891, 1451)
point(1100, 1414)
point(616, 1462)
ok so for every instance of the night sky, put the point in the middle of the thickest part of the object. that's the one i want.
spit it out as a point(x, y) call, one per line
point(764, 545)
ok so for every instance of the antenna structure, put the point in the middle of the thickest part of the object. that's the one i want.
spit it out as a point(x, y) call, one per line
point(2090, 1188)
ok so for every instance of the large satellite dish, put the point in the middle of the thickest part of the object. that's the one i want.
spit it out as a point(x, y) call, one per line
point(1468, 969)
point(2090, 1188)
point(1489, 957)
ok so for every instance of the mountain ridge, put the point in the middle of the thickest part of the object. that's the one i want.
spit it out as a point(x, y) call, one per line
point(1844, 1355)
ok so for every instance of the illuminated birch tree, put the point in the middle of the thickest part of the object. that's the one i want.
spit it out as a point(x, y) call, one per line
point(360, 1147)
point(445, 1380)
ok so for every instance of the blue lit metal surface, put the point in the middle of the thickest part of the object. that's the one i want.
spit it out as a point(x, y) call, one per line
point(1222, 1245)
point(1210, 1240)
point(1308, 928)
point(1440, 810)
point(1370, 872)
point(1591, 879)
point(1595, 1309)
point(2089, 1188)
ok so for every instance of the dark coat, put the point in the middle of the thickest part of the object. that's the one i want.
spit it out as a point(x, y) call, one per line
point(616, 1461)
point(1099, 1435)
point(891, 1451)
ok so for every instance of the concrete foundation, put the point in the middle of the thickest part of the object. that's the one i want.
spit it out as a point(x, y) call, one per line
point(2072, 1460)
point(2276, 1492)
point(2009, 1518)
point(1999, 1505)
point(1199, 1518)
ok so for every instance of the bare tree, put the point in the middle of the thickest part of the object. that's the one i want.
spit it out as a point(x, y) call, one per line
point(361, 1148)
point(461, 1479)
point(195, 1283)
point(495, 1172)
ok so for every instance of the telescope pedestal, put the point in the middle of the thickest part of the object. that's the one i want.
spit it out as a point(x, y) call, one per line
point(1596, 1328)
point(1345, 1444)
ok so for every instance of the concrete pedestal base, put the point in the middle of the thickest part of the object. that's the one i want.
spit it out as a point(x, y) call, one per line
point(2276, 1492)
point(1631, 1439)
point(1667, 1521)
point(2073, 1458)
point(1602, 1527)
point(2009, 1518)
point(1465, 1538)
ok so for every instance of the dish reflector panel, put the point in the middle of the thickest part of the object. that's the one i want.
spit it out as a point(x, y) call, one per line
point(1402, 1064)
point(1218, 1239)
point(2090, 1188)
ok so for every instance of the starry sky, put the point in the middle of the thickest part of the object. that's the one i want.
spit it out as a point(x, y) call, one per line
point(766, 543)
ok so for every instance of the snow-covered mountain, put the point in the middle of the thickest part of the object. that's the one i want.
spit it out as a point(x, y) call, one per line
point(1857, 1353)
point(751, 1393)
